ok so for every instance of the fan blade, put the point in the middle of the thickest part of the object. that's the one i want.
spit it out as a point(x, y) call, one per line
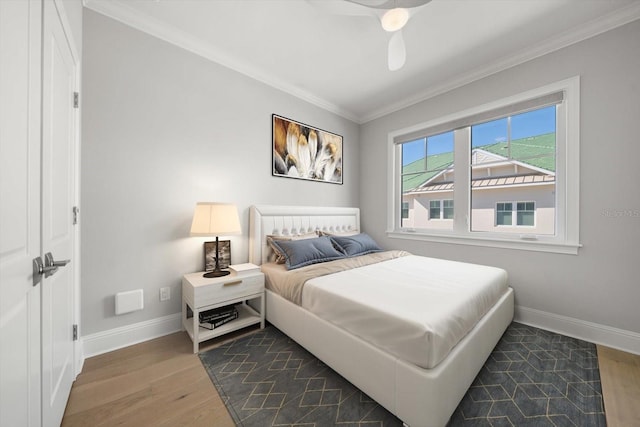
point(390, 4)
point(369, 3)
point(341, 7)
point(397, 51)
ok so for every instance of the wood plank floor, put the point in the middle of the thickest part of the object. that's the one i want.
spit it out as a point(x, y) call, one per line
point(162, 383)
point(620, 376)
point(155, 383)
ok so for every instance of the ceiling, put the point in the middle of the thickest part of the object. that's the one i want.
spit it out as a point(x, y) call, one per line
point(339, 62)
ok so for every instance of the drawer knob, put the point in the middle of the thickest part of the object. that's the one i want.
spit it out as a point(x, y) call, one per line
point(237, 282)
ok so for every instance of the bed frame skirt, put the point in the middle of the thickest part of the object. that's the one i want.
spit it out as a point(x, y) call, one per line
point(419, 397)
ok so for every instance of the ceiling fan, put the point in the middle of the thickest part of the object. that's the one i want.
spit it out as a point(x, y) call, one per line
point(393, 16)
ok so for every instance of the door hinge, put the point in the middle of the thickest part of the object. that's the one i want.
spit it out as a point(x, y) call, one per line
point(75, 332)
point(76, 211)
point(76, 97)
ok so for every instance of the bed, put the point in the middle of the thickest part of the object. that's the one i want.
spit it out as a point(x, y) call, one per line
point(419, 386)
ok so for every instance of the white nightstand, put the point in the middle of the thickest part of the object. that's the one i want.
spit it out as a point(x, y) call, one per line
point(201, 293)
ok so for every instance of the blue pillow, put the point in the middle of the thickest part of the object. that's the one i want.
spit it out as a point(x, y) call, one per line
point(299, 253)
point(360, 244)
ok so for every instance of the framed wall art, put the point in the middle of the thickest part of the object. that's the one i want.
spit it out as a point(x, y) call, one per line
point(303, 152)
point(210, 254)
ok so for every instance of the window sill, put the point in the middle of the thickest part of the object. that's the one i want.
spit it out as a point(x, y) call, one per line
point(525, 245)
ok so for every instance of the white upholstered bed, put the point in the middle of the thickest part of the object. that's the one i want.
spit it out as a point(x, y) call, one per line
point(418, 396)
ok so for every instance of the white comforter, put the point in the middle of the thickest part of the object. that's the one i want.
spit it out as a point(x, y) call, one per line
point(415, 308)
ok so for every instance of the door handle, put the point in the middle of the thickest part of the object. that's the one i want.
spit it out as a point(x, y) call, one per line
point(49, 262)
point(48, 268)
point(40, 269)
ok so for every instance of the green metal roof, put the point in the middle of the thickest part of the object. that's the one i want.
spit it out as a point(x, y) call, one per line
point(414, 175)
point(538, 151)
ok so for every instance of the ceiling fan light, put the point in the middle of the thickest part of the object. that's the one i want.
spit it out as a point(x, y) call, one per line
point(395, 19)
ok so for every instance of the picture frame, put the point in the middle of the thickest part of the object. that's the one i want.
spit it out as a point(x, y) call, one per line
point(305, 152)
point(210, 254)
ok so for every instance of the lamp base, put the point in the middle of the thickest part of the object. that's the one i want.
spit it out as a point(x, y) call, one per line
point(216, 273)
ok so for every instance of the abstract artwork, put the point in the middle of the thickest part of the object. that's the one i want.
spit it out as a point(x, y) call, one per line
point(304, 152)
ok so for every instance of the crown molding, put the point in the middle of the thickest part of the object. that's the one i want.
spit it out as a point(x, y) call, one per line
point(591, 29)
point(122, 12)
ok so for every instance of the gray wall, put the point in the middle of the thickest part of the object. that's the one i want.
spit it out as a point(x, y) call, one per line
point(164, 129)
point(601, 284)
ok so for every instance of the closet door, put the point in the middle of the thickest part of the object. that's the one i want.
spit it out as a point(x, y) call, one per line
point(58, 229)
point(20, 53)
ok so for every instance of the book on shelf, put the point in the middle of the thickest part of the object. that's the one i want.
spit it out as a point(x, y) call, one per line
point(216, 313)
point(245, 268)
point(215, 323)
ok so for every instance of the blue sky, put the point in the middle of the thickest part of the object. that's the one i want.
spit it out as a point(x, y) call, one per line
point(532, 123)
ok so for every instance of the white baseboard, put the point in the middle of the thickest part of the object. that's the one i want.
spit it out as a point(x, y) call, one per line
point(587, 331)
point(78, 353)
point(114, 339)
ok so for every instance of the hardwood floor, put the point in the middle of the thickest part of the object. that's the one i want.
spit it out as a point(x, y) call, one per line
point(620, 376)
point(162, 383)
point(155, 383)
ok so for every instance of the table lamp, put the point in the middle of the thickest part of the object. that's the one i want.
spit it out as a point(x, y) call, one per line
point(215, 219)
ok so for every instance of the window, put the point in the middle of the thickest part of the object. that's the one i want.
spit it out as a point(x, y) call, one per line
point(427, 173)
point(447, 209)
point(524, 149)
point(441, 209)
point(525, 214)
point(514, 156)
point(434, 209)
point(504, 214)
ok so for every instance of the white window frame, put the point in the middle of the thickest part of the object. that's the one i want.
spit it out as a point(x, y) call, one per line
point(496, 214)
point(444, 207)
point(566, 240)
point(514, 214)
point(403, 210)
point(516, 210)
point(440, 210)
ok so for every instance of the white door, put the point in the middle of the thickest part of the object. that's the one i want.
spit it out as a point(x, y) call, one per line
point(19, 212)
point(58, 231)
point(20, 54)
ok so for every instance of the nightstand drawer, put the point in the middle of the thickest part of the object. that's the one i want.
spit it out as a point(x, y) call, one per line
point(203, 293)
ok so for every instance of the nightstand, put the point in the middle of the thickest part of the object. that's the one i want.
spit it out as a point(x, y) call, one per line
point(201, 293)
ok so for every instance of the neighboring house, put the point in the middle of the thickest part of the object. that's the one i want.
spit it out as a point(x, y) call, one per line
point(513, 188)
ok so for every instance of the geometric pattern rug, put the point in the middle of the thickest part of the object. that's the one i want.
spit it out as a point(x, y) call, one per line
point(532, 378)
point(535, 378)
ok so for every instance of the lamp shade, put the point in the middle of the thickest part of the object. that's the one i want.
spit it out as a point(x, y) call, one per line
point(215, 219)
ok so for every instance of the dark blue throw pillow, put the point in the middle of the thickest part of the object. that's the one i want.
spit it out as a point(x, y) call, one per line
point(299, 253)
point(360, 244)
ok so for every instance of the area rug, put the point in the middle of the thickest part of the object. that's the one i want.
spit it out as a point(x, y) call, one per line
point(532, 378)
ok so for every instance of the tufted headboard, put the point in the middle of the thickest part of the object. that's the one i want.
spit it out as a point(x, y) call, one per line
point(267, 220)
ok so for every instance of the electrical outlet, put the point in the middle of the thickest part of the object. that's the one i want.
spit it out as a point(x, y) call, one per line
point(165, 294)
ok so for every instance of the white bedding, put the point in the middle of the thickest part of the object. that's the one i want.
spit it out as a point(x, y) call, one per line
point(416, 308)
